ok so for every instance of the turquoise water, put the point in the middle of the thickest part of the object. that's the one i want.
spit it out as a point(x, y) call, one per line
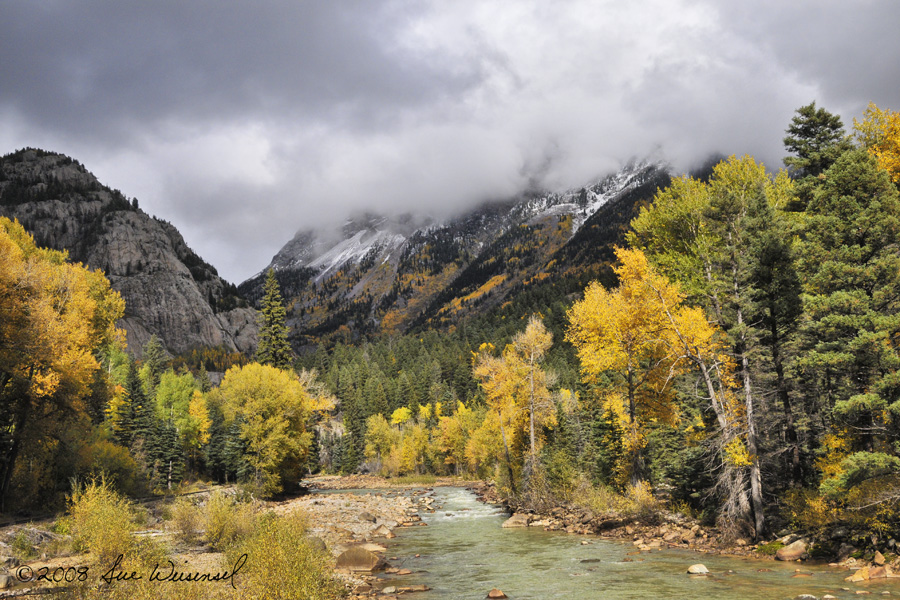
point(464, 553)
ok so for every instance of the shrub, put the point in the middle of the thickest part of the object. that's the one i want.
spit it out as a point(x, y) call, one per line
point(227, 520)
point(101, 521)
point(21, 546)
point(280, 545)
point(186, 519)
point(769, 549)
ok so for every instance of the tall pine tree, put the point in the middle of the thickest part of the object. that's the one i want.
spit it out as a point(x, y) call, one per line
point(273, 348)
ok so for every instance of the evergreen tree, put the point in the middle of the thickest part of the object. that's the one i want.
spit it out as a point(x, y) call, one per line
point(850, 258)
point(817, 138)
point(273, 348)
point(154, 363)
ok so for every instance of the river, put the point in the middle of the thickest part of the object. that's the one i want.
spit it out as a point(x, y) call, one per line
point(464, 553)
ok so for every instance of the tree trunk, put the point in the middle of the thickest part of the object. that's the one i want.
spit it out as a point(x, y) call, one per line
point(781, 385)
point(512, 482)
point(13, 454)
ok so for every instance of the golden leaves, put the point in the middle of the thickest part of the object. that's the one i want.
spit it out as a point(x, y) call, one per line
point(879, 132)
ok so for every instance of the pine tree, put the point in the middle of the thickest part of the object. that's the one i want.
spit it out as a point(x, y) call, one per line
point(852, 268)
point(817, 138)
point(274, 348)
point(154, 360)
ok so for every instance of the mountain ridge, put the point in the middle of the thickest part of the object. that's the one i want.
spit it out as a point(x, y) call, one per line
point(168, 289)
point(385, 275)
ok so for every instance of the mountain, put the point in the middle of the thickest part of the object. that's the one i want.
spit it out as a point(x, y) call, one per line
point(379, 274)
point(168, 290)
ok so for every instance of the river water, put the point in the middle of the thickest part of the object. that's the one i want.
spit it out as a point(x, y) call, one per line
point(464, 553)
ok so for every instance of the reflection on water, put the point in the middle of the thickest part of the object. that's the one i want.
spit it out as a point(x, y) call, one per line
point(464, 553)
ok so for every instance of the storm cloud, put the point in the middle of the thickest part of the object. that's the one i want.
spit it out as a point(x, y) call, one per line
point(243, 122)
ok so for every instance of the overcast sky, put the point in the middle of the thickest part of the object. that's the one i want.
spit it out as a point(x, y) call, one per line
point(242, 122)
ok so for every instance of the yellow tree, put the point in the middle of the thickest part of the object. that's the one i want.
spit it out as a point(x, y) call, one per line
point(516, 386)
point(54, 316)
point(879, 132)
point(272, 407)
point(625, 332)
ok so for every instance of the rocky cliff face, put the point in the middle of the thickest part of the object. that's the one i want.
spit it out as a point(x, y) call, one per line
point(168, 290)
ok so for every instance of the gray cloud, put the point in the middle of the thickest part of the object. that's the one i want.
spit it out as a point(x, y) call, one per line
point(242, 122)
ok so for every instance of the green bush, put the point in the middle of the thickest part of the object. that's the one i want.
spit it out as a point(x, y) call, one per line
point(769, 549)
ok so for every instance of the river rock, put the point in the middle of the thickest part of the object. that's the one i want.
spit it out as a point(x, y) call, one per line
point(389, 590)
point(366, 516)
point(7, 582)
point(517, 520)
point(879, 559)
point(805, 597)
point(357, 558)
point(792, 551)
point(495, 593)
point(860, 575)
point(878, 572)
point(698, 569)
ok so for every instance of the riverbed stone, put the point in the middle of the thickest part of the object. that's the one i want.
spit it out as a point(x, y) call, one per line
point(792, 551)
point(860, 575)
point(495, 593)
point(357, 558)
point(698, 569)
point(879, 559)
point(517, 520)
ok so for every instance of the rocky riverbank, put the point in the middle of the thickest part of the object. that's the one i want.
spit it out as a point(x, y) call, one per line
point(355, 527)
point(673, 530)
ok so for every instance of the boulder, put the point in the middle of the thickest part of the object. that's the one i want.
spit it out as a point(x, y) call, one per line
point(357, 558)
point(7, 582)
point(382, 531)
point(793, 551)
point(517, 520)
point(879, 559)
point(364, 516)
point(860, 575)
point(698, 569)
point(495, 593)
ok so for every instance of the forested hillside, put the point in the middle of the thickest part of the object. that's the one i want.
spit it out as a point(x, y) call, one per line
point(726, 347)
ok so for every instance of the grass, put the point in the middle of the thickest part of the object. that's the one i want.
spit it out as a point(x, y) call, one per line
point(282, 562)
point(769, 549)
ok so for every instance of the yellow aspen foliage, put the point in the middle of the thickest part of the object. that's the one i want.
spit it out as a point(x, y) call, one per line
point(401, 416)
point(736, 453)
point(272, 407)
point(643, 335)
point(54, 315)
point(879, 132)
point(199, 420)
